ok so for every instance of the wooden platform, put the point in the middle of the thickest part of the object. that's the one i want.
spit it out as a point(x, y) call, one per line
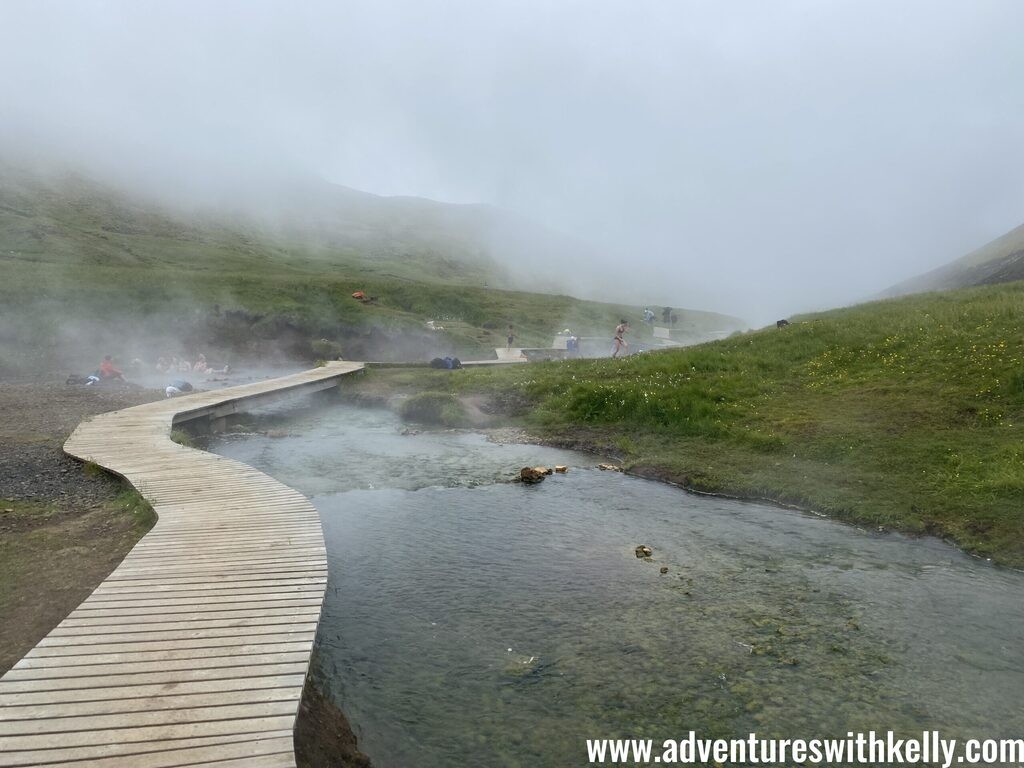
point(194, 651)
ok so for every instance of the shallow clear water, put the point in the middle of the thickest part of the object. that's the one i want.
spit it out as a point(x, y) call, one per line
point(471, 622)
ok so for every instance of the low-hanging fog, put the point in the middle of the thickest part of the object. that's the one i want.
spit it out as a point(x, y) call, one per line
point(757, 158)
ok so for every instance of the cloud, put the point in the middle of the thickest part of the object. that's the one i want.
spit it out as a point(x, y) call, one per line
point(758, 158)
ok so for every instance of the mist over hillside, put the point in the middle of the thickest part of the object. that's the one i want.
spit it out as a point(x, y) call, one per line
point(64, 214)
point(90, 268)
point(999, 261)
point(759, 159)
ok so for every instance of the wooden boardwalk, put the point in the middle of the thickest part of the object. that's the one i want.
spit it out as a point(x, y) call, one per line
point(194, 651)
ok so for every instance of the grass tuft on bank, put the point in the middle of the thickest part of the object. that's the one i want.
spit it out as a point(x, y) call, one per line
point(906, 413)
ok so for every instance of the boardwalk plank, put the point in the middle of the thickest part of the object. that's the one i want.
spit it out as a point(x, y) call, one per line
point(132, 754)
point(93, 738)
point(88, 724)
point(128, 693)
point(151, 704)
point(170, 677)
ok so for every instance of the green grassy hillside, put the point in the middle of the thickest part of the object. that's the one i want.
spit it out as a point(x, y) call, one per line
point(87, 269)
point(905, 413)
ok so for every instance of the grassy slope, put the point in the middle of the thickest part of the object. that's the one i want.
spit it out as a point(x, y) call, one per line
point(73, 251)
point(999, 261)
point(906, 413)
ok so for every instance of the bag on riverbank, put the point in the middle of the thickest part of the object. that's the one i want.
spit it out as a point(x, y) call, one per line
point(446, 363)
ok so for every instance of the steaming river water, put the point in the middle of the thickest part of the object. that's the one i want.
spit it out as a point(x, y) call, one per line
point(472, 622)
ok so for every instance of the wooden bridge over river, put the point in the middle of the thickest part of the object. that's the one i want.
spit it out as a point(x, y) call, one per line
point(194, 651)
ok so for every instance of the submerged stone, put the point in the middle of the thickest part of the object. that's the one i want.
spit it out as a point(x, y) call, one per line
point(531, 475)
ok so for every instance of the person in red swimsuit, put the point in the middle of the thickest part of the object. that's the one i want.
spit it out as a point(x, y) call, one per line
point(109, 371)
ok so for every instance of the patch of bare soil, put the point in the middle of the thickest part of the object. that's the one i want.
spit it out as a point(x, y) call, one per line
point(62, 530)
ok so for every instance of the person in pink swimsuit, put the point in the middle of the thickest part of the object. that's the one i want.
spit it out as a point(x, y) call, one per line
point(621, 344)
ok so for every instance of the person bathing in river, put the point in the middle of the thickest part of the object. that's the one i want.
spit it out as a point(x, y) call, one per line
point(620, 343)
point(109, 371)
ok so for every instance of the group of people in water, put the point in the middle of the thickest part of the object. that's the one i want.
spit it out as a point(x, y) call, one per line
point(182, 365)
point(109, 372)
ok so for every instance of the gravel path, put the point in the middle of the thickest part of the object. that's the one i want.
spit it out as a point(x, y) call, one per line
point(35, 419)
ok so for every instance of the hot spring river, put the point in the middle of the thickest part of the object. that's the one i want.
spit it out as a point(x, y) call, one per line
point(473, 622)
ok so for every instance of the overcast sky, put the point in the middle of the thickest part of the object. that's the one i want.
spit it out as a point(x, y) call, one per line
point(754, 156)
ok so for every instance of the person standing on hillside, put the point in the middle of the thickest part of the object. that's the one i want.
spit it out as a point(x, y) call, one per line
point(620, 343)
point(511, 336)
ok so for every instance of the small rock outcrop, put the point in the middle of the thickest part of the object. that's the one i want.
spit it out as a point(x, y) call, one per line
point(609, 467)
point(561, 468)
point(643, 551)
point(531, 475)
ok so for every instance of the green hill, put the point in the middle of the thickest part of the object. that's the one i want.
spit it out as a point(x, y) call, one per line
point(87, 268)
point(1000, 261)
point(906, 413)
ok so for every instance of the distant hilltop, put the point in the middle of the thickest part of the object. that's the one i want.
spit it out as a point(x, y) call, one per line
point(1000, 261)
point(63, 214)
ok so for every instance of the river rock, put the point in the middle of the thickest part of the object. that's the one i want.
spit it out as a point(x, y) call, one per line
point(544, 470)
point(664, 569)
point(643, 551)
point(609, 467)
point(531, 474)
point(561, 468)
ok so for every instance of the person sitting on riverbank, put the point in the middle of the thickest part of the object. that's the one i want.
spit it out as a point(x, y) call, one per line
point(109, 371)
